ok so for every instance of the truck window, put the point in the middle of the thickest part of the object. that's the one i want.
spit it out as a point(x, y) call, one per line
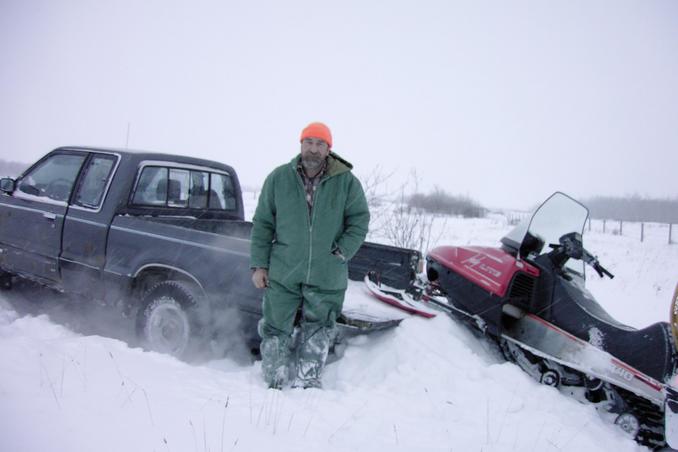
point(152, 187)
point(184, 188)
point(95, 180)
point(177, 188)
point(198, 191)
point(222, 193)
point(53, 178)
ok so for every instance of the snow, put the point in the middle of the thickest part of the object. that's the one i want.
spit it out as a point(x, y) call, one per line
point(44, 199)
point(428, 385)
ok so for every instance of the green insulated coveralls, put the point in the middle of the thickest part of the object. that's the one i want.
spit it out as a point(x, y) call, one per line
point(299, 249)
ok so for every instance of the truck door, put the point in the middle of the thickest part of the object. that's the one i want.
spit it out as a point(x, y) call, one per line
point(86, 227)
point(32, 217)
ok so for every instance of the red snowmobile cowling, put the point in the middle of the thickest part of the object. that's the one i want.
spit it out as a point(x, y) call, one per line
point(490, 268)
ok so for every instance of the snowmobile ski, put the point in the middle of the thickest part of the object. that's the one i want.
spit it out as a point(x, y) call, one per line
point(400, 299)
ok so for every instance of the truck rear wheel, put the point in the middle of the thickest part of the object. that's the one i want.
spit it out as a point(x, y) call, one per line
point(167, 321)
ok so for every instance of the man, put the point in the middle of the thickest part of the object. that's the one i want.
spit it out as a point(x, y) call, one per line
point(311, 218)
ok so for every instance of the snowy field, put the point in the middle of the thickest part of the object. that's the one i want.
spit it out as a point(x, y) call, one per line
point(427, 385)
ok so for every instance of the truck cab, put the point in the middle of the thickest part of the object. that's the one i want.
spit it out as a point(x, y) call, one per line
point(55, 218)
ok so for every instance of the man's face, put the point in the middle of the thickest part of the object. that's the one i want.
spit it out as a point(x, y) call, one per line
point(313, 153)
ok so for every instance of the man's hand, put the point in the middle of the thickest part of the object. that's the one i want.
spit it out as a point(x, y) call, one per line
point(260, 278)
point(337, 252)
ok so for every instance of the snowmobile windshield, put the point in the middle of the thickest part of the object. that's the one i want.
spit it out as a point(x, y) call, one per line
point(557, 216)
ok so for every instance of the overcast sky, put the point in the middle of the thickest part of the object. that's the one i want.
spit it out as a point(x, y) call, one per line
point(505, 101)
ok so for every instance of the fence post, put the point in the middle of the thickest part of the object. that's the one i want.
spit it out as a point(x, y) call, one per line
point(642, 231)
point(621, 226)
point(604, 221)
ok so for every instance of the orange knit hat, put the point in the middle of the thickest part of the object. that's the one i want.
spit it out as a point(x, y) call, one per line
point(317, 130)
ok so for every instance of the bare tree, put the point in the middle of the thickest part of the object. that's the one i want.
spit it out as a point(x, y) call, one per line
point(439, 201)
point(407, 226)
point(393, 218)
point(375, 186)
point(403, 224)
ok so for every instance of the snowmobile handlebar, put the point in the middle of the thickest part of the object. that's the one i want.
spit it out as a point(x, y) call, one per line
point(570, 246)
point(602, 271)
point(593, 262)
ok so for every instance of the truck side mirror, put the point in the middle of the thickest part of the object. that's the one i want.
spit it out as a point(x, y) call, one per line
point(7, 185)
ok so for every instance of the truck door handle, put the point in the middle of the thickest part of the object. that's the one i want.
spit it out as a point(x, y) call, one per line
point(49, 216)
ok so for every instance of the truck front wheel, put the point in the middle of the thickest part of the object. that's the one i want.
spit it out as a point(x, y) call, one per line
point(5, 280)
point(167, 321)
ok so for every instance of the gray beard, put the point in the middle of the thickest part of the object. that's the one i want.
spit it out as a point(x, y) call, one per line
point(312, 164)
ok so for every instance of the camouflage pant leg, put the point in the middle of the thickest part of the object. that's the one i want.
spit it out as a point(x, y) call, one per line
point(317, 331)
point(275, 328)
point(275, 359)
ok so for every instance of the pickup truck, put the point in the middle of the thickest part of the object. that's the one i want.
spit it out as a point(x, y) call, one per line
point(162, 237)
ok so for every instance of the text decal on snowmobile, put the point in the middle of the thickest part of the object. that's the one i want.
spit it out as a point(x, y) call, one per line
point(490, 268)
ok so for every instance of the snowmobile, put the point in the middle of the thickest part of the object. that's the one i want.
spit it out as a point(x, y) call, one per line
point(528, 297)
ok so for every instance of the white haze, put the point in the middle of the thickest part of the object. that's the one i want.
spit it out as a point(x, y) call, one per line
point(505, 101)
point(427, 385)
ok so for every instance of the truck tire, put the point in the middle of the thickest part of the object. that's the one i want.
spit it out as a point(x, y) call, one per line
point(168, 319)
point(5, 280)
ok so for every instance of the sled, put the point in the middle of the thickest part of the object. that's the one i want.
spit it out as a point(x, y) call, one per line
point(400, 299)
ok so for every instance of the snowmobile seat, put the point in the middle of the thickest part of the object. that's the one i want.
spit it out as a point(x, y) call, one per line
point(650, 350)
